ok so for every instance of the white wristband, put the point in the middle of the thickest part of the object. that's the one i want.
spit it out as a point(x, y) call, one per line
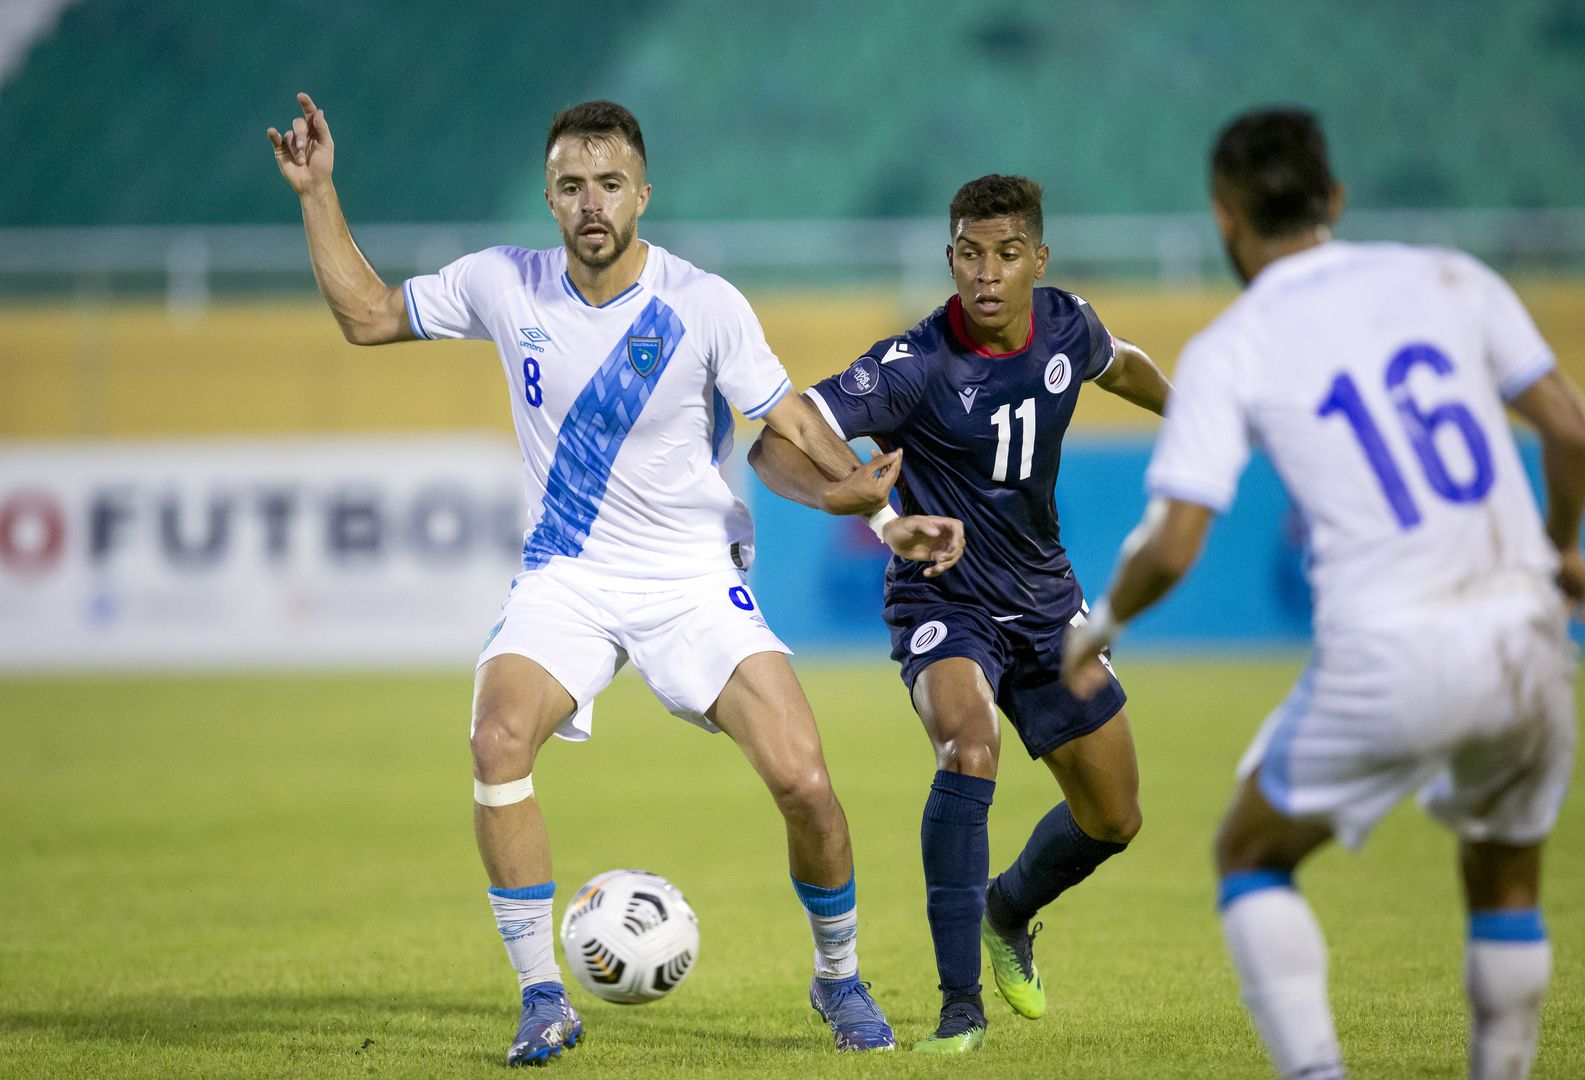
point(1102, 626)
point(877, 521)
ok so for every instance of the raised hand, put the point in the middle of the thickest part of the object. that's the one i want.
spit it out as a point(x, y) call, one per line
point(305, 153)
point(922, 538)
point(864, 490)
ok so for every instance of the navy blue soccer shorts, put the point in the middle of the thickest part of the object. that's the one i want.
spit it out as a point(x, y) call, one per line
point(1022, 662)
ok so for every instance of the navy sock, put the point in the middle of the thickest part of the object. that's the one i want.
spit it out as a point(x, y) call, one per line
point(957, 856)
point(1057, 857)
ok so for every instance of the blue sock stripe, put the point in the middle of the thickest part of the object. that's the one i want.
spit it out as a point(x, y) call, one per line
point(1507, 924)
point(1234, 886)
point(820, 901)
point(527, 892)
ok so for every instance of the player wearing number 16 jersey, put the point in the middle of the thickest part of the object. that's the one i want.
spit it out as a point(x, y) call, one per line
point(1374, 376)
point(977, 397)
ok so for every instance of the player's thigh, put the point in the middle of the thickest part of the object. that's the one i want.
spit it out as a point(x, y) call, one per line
point(1099, 775)
point(1507, 777)
point(762, 708)
point(956, 704)
point(952, 658)
point(550, 652)
point(1256, 836)
point(689, 640)
point(517, 706)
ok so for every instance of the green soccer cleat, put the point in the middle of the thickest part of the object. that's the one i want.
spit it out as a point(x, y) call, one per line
point(1013, 965)
point(961, 1030)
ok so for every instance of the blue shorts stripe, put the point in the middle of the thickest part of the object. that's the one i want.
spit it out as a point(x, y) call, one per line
point(1507, 924)
point(1275, 782)
point(1234, 886)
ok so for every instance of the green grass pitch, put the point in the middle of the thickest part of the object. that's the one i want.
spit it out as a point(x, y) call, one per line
point(276, 877)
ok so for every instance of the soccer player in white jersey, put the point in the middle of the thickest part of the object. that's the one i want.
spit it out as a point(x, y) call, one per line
point(1374, 376)
point(621, 359)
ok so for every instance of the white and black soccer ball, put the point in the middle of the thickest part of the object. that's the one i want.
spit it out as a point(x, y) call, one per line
point(629, 936)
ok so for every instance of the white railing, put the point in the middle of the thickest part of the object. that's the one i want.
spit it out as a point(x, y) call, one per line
point(188, 264)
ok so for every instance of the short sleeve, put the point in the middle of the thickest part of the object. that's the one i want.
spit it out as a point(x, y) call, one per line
point(1103, 349)
point(1514, 347)
point(746, 371)
point(1203, 445)
point(447, 304)
point(871, 397)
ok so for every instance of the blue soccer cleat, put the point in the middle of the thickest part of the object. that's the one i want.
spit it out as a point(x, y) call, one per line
point(549, 1024)
point(855, 1019)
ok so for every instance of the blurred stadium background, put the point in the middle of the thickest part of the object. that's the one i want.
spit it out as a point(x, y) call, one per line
point(196, 472)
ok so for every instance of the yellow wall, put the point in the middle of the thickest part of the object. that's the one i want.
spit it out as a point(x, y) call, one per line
point(132, 369)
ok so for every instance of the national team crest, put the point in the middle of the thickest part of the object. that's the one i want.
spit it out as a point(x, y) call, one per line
point(644, 353)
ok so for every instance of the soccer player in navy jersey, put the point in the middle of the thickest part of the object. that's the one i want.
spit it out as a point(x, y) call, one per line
point(977, 397)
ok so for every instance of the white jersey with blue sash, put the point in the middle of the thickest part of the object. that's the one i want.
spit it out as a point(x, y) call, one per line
point(621, 410)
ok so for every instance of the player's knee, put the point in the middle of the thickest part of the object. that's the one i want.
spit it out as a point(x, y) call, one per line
point(502, 747)
point(971, 757)
point(803, 793)
point(1237, 851)
point(1119, 825)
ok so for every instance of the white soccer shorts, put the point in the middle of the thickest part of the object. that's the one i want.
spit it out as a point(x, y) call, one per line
point(1469, 702)
point(685, 637)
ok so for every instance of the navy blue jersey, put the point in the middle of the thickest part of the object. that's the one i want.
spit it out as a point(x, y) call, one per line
point(982, 442)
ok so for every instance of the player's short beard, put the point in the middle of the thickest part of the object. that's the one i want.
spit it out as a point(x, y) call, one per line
point(621, 240)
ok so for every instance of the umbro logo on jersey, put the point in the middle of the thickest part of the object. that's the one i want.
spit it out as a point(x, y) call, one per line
point(644, 353)
point(967, 394)
point(896, 350)
point(532, 337)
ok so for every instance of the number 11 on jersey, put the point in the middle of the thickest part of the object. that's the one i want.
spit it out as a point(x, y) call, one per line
point(1002, 421)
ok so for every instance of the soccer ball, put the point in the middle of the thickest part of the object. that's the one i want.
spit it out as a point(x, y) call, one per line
point(629, 936)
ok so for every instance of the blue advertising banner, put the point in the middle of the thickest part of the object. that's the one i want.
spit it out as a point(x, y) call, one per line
point(818, 578)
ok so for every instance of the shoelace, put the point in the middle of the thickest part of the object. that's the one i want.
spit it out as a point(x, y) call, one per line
point(854, 1009)
point(958, 1018)
point(1024, 949)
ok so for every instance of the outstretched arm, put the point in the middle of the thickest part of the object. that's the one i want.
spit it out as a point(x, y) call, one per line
point(788, 470)
point(1135, 378)
point(1552, 403)
point(1156, 554)
point(370, 312)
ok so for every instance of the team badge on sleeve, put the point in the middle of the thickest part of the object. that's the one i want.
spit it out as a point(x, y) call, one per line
point(1058, 373)
point(644, 353)
point(860, 378)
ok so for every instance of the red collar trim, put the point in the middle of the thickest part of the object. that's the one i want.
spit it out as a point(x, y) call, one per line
point(960, 330)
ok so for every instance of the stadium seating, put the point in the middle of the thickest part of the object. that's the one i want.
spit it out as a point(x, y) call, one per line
point(154, 113)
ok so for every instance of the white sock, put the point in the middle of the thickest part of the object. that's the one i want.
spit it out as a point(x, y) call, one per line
point(836, 944)
point(1506, 979)
point(1280, 957)
point(834, 922)
point(523, 918)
